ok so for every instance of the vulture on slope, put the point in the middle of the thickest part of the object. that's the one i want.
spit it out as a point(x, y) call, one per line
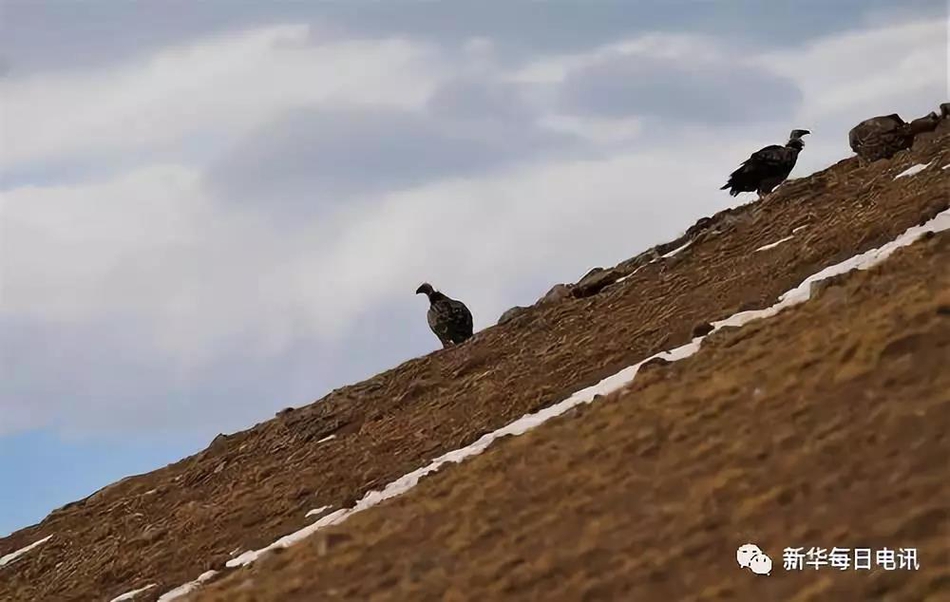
point(449, 319)
point(883, 137)
point(767, 167)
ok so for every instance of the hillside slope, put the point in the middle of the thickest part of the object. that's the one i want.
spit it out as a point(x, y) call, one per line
point(248, 489)
point(824, 426)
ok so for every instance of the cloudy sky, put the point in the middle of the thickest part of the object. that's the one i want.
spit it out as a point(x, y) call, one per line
point(210, 211)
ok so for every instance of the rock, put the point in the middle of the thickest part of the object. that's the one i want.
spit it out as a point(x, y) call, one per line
point(666, 247)
point(151, 534)
point(727, 336)
point(328, 541)
point(702, 329)
point(653, 364)
point(595, 281)
point(512, 313)
point(218, 443)
point(884, 136)
point(632, 265)
point(817, 288)
point(701, 224)
point(557, 292)
point(749, 306)
point(935, 208)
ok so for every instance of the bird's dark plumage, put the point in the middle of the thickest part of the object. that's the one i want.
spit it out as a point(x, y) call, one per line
point(767, 167)
point(448, 318)
point(883, 137)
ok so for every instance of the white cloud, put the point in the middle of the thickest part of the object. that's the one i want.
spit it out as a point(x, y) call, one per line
point(878, 69)
point(688, 48)
point(852, 76)
point(220, 86)
point(153, 247)
point(595, 129)
point(150, 244)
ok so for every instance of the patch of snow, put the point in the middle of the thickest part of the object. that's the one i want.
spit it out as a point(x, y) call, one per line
point(5, 560)
point(772, 245)
point(319, 510)
point(289, 540)
point(796, 230)
point(947, 166)
point(675, 251)
point(913, 170)
point(608, 385)
point(183, 590)
point(330, 438)
point(133, 593)
point(630, 274)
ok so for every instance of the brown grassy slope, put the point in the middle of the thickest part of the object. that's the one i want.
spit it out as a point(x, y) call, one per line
point(249, 488)
point(827, 425)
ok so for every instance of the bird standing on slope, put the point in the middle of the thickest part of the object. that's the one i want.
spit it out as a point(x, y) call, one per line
point(767, 167)
point(449, 319)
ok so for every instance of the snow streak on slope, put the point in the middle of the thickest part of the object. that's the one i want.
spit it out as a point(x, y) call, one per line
point(913, 170)
point(187, 588)
point(317, 511)
point(608, 385)
point(14, 555)
point(676, 250)
point(772, 245)
point(133, 593)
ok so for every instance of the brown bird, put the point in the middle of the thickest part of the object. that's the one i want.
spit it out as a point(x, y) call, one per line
point(883, 137)
point(448, 318)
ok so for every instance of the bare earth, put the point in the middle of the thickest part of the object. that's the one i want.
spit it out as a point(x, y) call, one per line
point(824, 426)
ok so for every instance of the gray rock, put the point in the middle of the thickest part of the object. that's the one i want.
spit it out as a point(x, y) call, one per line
point(512, 313)
point(595, 281)
point(557, 292)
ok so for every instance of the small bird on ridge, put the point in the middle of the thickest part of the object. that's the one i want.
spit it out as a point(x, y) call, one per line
point(448, 318)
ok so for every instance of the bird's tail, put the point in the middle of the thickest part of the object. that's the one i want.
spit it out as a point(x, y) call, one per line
point(731, 186)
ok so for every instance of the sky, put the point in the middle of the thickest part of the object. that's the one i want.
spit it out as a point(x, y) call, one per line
point(212, 211)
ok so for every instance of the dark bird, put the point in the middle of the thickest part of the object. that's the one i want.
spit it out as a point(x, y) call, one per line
point(449, 319)
point(767, 167)
point(883, 137)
